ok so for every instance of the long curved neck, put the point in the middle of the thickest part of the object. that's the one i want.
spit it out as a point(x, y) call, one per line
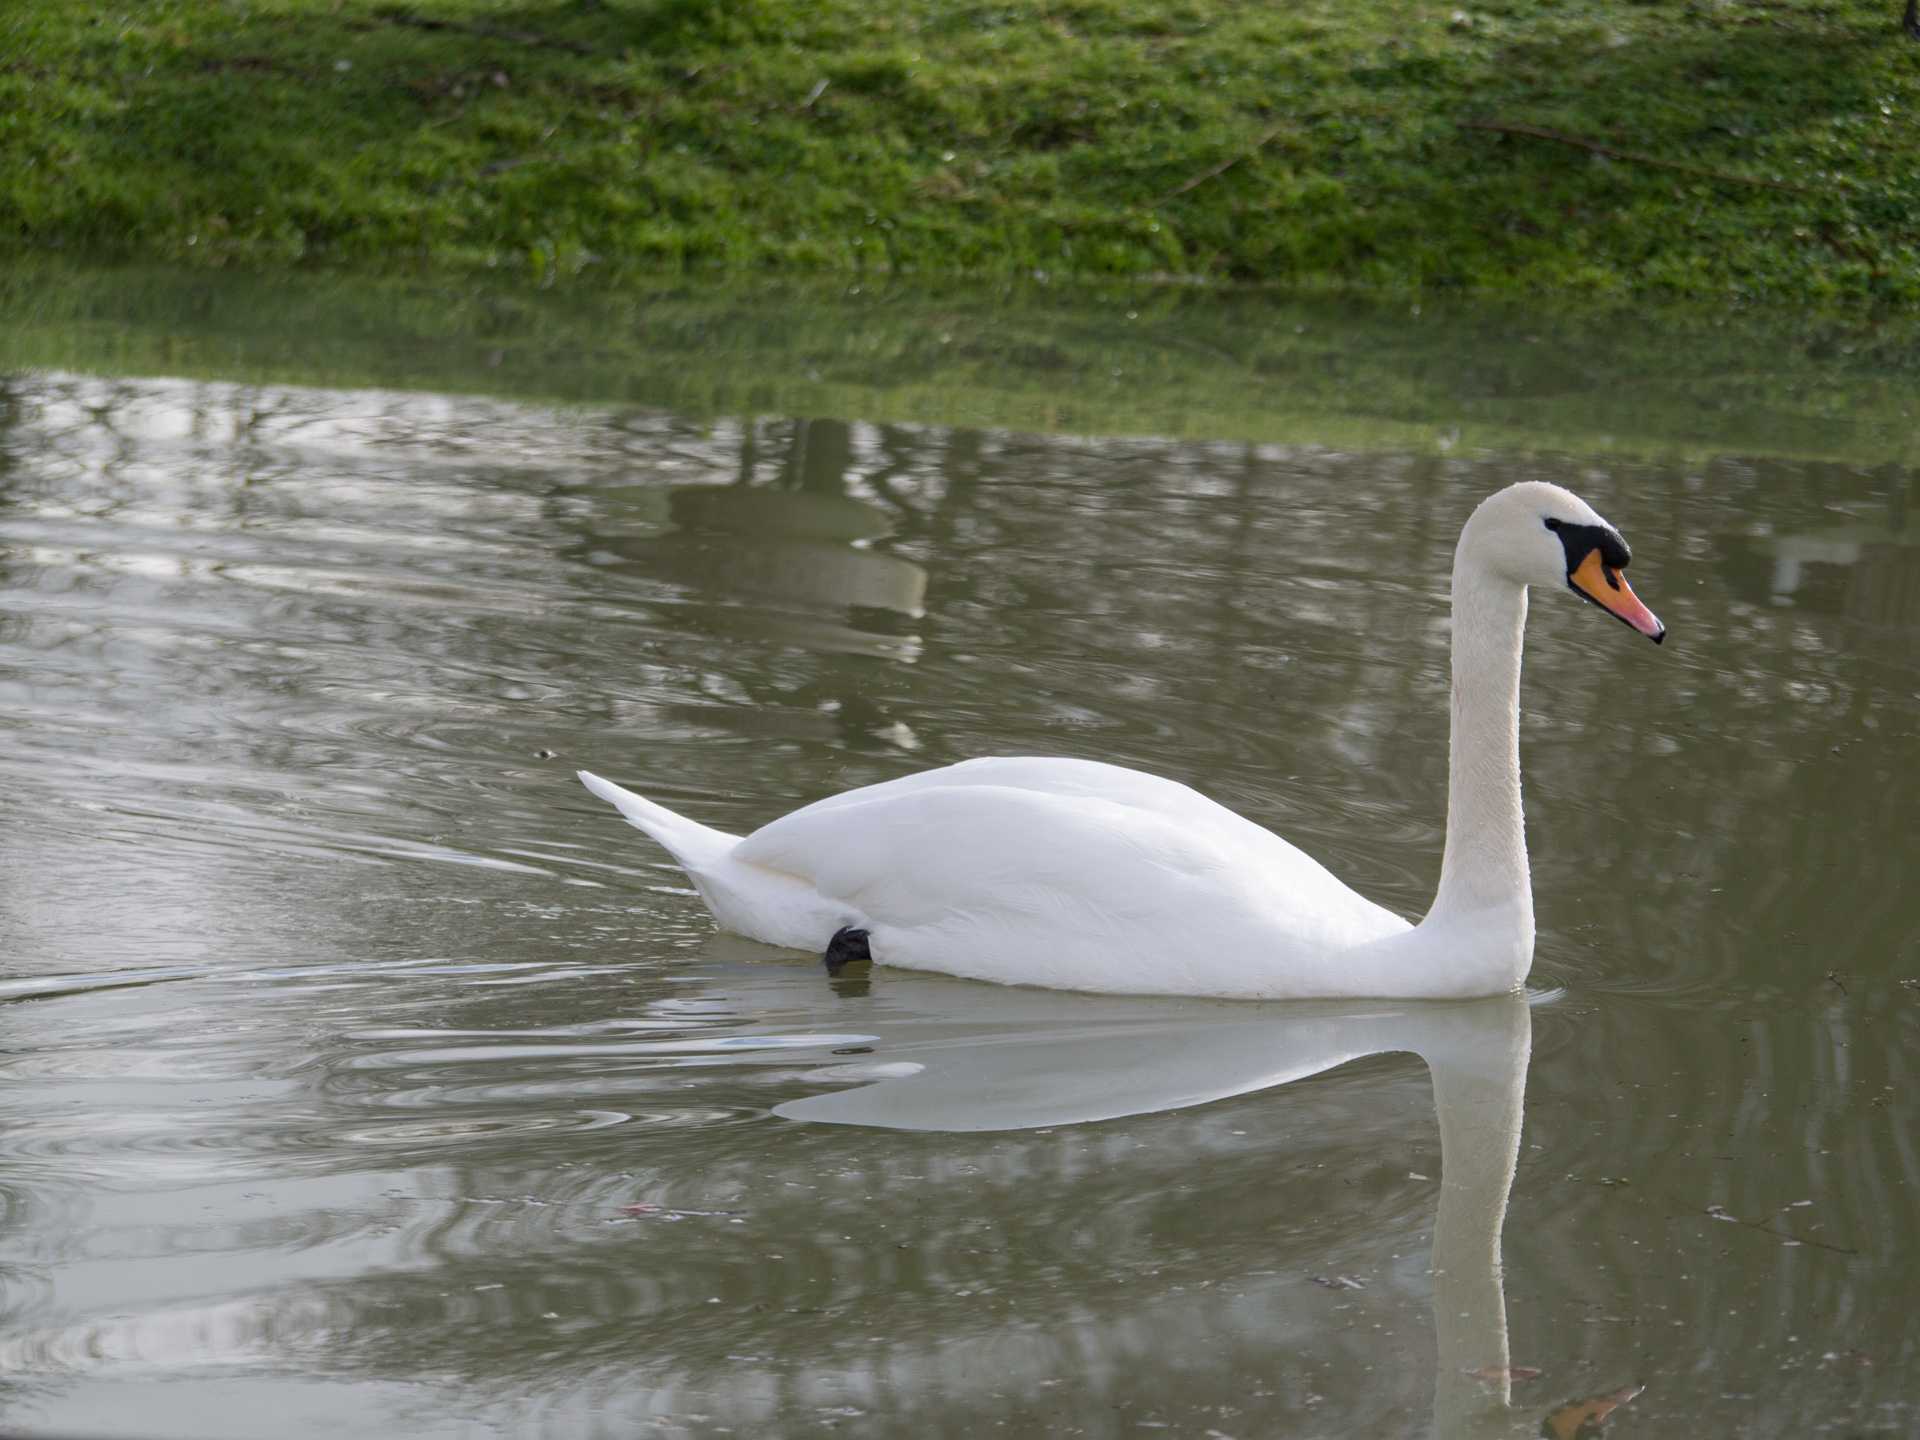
point(1477, 938)
point(1483, 875)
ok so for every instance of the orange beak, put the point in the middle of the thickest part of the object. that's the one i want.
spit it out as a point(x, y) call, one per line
point(1607, 588)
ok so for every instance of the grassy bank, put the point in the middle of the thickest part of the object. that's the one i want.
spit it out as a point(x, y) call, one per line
point(1763, 150)
point(1107, 359)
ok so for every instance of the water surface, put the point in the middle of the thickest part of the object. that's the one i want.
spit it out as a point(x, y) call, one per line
point(361, 1071)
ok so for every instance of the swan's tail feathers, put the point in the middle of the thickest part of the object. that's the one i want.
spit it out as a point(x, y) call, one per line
point(694, 845)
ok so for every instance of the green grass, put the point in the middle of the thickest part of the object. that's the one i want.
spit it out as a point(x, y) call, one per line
point(1304, 144)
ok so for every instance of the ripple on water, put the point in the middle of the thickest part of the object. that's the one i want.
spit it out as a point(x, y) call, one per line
point(291, 683)
point(457, 1129)
point(704, 1049)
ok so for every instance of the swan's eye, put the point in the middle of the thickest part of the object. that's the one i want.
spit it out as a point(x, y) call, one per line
point(1580, 541)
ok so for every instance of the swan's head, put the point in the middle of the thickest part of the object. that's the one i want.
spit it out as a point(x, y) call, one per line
point(1534, 533)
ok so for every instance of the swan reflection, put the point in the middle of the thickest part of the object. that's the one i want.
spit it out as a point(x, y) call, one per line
point(949, 1055)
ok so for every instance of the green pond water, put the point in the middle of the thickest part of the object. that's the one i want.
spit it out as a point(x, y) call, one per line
point(361, 1074)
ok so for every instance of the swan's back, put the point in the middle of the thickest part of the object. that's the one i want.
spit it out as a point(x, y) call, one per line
point(1044, 775)
point(1075, 874)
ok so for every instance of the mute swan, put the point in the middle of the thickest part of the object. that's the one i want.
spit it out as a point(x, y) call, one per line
point(1078, 875)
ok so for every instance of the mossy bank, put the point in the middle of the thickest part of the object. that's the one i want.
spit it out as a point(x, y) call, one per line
point(1678, 149)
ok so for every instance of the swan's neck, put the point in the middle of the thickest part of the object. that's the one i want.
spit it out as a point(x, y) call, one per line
point(1477, 939)
point(1484, 885)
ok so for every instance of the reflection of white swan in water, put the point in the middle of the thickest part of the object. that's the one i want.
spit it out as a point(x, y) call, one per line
point(960, 1057)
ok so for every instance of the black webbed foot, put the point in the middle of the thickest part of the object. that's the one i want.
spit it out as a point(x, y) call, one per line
point(847, 945)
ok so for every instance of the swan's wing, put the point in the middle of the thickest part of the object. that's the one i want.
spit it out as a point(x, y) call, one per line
point(914, 855)
point(1054, 775)
point(1052, 888)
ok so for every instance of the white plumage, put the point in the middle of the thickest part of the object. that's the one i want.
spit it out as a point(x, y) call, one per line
point(1086, 876)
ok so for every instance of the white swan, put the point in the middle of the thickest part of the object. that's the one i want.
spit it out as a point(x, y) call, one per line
point(1084, 876)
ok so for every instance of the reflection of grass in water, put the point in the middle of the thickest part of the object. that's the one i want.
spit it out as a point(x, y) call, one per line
point(1306, 142)
point(1190, 364)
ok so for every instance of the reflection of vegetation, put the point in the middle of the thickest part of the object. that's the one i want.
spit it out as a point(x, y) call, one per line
point(789, 544)
point(1753, 153)
point(1180, 364)
point(1855, 556)
point(1714, 826)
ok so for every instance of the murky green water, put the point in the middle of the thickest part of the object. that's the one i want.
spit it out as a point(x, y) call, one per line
point(361, 1074)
